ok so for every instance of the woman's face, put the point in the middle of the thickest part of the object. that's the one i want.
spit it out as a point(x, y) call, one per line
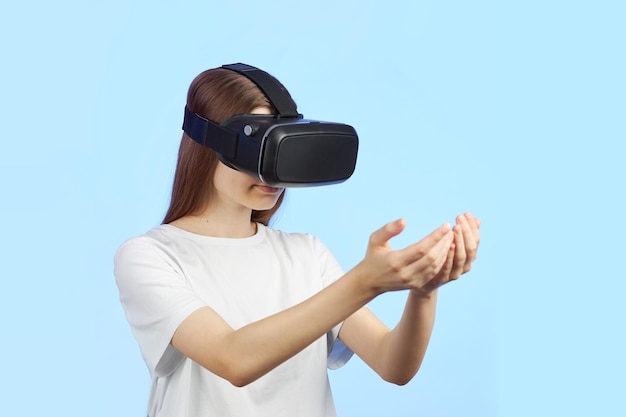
point(242, 191)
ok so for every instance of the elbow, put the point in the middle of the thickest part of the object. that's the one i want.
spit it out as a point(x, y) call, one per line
point(240, 376)
point(400, 378)
point(236, 378)
point(239, 381)
point(236, 373)
point(403, 381)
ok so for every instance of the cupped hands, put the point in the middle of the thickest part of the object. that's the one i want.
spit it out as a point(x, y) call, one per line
point(441, 257)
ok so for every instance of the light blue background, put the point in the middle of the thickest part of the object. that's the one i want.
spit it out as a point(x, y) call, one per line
point(514, 111)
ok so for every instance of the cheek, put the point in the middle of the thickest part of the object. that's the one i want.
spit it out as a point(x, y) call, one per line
point(268, 202)
point(228, 179)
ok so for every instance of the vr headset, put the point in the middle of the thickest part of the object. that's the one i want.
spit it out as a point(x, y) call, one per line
point(282, 150)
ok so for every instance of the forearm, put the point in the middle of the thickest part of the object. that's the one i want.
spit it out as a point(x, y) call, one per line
point(403, 348)
point(244, 355)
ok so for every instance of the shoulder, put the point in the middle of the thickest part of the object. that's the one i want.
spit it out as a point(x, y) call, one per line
point(146, 259)
point(154, 238)
point(157, 244)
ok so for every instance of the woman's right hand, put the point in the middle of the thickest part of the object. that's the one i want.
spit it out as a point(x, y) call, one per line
point(409, 268)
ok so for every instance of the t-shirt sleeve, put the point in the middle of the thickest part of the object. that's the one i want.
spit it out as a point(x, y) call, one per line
point(156, 298)
point(338, 353)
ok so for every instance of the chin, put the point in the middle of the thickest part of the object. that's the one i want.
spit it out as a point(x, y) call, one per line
point(267, 202)
point(263, 207)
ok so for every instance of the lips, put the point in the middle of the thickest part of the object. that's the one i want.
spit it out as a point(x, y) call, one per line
point(268, 189)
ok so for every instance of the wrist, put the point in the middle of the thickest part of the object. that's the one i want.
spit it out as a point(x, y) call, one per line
point(422, 294)
point(366, 281)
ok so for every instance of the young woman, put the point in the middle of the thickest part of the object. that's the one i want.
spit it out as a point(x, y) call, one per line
point(235, 318)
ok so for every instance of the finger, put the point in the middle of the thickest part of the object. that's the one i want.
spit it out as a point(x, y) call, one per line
point(469, 240)
point(381, 236)
point(429, 265)
point(446, 269)
point(444, 274)
point(474, 224)
point(459, 253)
point(418, 250)
point(441, 250)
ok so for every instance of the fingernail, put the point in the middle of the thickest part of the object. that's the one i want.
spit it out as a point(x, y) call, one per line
point(445, 227)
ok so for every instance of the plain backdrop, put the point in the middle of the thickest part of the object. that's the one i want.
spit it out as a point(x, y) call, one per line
point(514, 111)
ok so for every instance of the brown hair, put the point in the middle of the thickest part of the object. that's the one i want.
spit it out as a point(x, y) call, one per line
point(215, 94)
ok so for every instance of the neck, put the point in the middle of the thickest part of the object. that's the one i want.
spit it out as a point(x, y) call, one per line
point(219, 223)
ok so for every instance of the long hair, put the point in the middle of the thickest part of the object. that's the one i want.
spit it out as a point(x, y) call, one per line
point(215, 94)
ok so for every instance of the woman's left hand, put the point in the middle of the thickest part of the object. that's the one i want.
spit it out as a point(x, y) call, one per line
point(462, 252)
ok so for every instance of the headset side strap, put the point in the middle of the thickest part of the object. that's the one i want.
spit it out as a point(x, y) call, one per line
point(210, 134)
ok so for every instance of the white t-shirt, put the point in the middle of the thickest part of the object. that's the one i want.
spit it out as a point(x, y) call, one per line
point(168, 273)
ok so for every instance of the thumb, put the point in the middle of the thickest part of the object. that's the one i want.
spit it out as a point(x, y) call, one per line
point(381, 236)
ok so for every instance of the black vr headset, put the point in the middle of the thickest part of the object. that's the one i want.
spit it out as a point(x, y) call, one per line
point(282, 150)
